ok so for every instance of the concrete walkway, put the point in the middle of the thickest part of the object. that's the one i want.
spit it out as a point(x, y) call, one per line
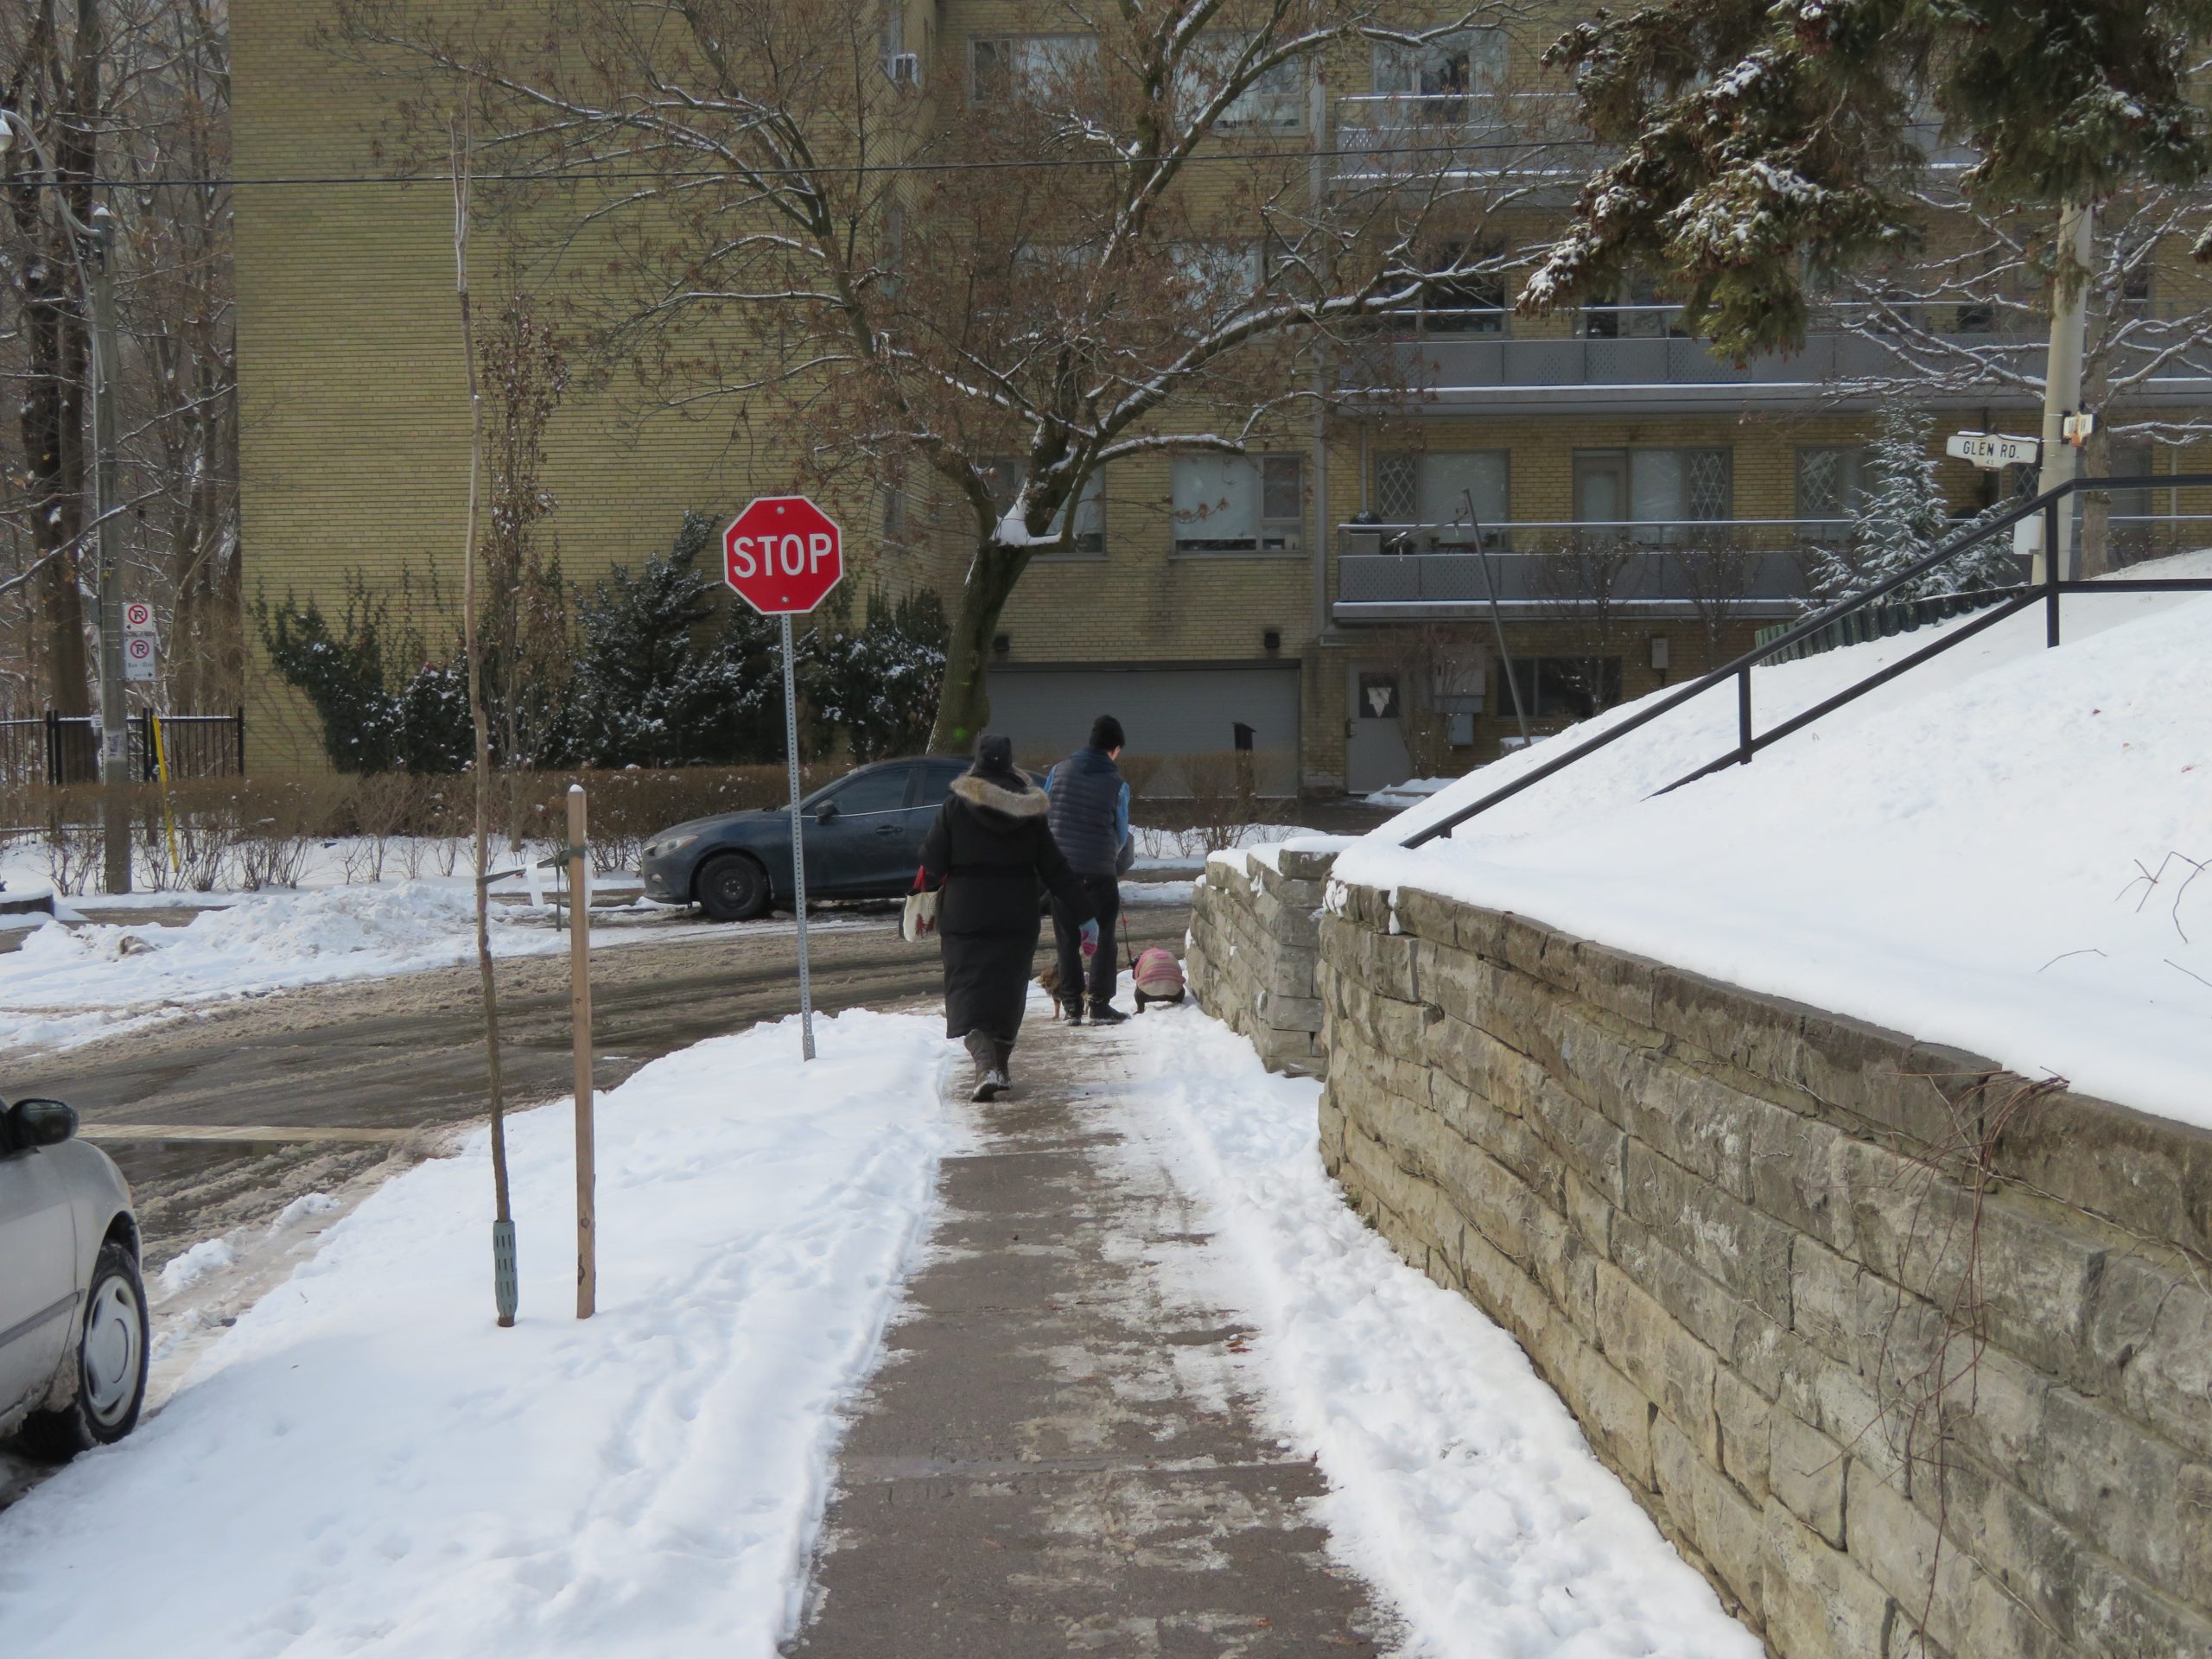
point(1059, 1455)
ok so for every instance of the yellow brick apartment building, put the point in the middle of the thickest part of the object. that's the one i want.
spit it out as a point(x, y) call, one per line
point(1338, 604)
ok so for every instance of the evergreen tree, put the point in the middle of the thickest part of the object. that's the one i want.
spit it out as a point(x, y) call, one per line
point(878, 684)
point(648, 689)
point(1904, 519)
point(1762, 142)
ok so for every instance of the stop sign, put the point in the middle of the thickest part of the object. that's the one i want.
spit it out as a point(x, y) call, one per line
point(783, 553)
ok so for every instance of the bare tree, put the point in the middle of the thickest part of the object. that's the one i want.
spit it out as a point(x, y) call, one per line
point(128, 106)
point(1584, 581)
point(1716, 577)
point(53, 89)
point(1968, 317)
point(1076, 250)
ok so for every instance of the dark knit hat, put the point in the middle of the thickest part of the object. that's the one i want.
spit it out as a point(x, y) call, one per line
point(993, 752)
point(1106, 733)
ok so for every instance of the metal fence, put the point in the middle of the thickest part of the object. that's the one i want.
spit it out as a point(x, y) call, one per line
point(54, 748)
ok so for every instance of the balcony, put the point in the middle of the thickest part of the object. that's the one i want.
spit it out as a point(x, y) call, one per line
point(1624, 358)
point(1520, 139)
point(1746, 568)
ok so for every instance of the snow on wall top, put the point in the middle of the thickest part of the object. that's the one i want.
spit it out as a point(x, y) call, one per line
point(1993, 852)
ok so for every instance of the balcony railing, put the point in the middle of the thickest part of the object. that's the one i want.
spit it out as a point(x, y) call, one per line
point(1454, 358)
point(1738, 568)
point(1385, 139)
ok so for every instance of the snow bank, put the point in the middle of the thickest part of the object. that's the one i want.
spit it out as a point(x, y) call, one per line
point(1460, 1483)
point(364, 1464)
point(1409, 793)
point(66, 986)
point(1987, 853)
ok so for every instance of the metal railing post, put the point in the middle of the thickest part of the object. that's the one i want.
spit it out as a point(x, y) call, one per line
point(2050, 570)
point(1744, 716)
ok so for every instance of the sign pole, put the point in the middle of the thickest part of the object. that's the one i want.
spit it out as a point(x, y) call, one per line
point(580, 1023)
point(798, 846)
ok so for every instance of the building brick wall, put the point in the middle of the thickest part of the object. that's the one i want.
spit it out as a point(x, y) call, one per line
point(1743, 1239)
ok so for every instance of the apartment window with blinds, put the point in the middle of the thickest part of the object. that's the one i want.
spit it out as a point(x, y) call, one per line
point(1435, 488)
point(1001, 68)
point(1239, 503)
point(1274, 102)
point(1006, 474)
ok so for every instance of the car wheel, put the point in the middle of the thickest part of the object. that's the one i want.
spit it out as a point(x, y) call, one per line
point(111, 1361)
point(733, 888)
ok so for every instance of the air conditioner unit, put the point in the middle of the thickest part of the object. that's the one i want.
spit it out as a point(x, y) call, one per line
point(904, 69)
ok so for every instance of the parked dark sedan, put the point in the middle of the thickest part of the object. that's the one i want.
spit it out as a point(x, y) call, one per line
point(863, 841)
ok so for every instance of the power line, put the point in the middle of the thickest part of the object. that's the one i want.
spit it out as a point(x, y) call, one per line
point(861, 168)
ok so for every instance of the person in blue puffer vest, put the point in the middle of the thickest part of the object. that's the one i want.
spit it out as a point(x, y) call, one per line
point(1090, 817)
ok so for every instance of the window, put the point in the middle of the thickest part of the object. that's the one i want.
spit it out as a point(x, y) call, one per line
point(1275, 102)
point(1637, 311)
point(1654, 488)
point(1218, 275)
point(1577, 687)
point(2135, 289)
point(1470, 304)
point(1239, 503)
point(1434, 487)
point(1007, 473)
point(872, 791)
point(1031, 67)
point(1831, 486)
point(1432, 81)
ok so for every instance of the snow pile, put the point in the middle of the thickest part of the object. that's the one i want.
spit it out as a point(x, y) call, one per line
point(1991, 852)
point(364, 1464)
point(1409, 793)
point(210, 1255)
point(1460, 1483)
point(66, 986)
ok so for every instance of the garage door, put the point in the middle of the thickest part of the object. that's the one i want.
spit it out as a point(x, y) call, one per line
point(1166, 711)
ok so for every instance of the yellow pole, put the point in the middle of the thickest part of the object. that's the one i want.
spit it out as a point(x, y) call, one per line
point(162, 771)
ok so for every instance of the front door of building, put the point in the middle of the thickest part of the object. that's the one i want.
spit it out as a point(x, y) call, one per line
point(1375, 742)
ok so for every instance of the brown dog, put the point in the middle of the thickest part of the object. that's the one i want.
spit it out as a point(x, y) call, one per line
point(1049, 981)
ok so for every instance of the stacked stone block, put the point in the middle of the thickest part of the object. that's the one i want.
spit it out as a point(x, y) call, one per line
point(1254, 943)
point(1908, 1355)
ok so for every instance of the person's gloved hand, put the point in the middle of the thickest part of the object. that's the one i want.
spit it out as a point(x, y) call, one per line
point(1090, 931)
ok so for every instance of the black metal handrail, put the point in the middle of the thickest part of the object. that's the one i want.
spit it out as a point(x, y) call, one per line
point(2047, 592)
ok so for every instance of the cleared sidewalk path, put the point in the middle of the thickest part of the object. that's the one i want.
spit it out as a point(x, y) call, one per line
point(1058, 1456)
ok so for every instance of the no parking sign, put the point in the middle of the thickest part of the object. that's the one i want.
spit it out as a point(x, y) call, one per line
point(139, 657)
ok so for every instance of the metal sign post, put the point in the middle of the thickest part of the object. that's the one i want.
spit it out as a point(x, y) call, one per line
point(798, 846)
point(783, 555)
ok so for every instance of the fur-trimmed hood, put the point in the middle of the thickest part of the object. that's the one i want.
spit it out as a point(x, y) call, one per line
point(1024, 801)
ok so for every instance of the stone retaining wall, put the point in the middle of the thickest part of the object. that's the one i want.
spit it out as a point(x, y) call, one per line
point(1255, 940)
point(1908, 1356)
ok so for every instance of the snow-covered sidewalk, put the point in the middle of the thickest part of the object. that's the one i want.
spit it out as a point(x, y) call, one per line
point(1460, 1484)
point(365, 1464)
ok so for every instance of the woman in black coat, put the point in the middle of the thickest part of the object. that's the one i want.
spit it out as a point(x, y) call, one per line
point(989, 850)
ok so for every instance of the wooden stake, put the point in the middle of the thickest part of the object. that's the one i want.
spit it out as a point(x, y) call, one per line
point(580, 1021)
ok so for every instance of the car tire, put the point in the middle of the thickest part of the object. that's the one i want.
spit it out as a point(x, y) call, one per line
point(110, 1359)
point(733, 889)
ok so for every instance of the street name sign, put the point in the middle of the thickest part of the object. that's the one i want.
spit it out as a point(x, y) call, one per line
point(783, 555)
point(1993, 449)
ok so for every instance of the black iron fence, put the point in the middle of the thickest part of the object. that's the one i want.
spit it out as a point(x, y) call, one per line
point(52, 748)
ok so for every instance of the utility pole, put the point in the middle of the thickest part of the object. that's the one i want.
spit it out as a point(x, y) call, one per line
point(2062, 385)
point(115, 732)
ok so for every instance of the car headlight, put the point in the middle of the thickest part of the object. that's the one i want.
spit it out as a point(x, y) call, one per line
point(662, 848)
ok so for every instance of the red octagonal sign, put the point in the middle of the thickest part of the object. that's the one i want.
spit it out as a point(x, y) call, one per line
point(783, 553)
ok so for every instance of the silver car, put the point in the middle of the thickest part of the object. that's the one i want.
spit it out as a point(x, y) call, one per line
point(73, 1308)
